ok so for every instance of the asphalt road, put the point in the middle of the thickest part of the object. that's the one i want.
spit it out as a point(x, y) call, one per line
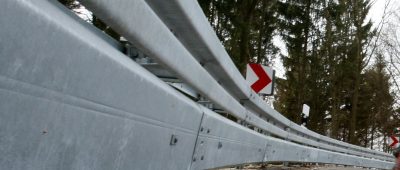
point(280, 167)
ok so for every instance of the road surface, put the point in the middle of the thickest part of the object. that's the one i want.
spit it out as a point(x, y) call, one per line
point(280, 167)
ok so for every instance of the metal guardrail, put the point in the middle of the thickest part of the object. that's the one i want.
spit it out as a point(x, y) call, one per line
point(191, 27)
point(71, 100)
point(187, 22)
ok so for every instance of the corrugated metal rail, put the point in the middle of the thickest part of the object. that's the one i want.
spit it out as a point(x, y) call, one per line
point(70, 99)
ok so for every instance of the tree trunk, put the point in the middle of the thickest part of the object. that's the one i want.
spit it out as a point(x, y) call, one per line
point(356, 76)
point(246, 18)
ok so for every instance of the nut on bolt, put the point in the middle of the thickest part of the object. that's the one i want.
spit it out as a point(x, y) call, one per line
point(219, 145)
point(174, 140)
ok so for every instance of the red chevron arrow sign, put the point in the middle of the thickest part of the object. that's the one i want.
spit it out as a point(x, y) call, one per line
point(260, 78)
point(393, 142)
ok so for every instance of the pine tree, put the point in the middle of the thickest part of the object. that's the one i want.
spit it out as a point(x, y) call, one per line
point(362, 32)
point(245, 27)
point(300, 33)
point(376, 104)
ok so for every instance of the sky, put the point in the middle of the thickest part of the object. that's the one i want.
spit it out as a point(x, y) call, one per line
point(377, 9)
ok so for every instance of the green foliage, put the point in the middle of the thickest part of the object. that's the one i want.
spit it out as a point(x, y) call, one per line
point(245, 27)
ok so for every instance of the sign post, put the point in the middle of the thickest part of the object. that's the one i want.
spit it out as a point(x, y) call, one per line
point(261, 78)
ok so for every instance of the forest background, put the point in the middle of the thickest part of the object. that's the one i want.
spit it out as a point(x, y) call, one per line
point(335, 59)
point(329, 53)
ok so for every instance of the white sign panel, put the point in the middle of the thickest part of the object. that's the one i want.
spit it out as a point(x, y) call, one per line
point(306, 110)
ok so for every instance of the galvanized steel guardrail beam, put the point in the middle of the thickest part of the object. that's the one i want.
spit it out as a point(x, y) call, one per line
point(69, 99)
point(148, 33)
point(187, 20)
point(68, 90)
point(175, 13)
point(212, 96)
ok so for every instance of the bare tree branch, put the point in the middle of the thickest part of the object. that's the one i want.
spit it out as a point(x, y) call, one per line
point(382, 23)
